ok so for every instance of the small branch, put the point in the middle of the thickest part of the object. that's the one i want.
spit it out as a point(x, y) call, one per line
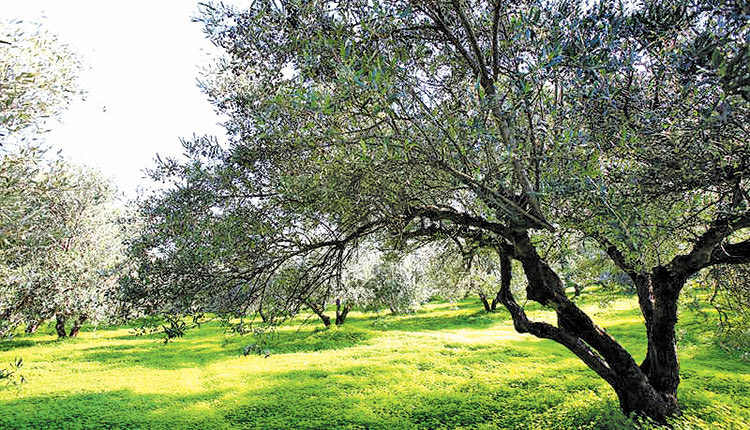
point(484, 75)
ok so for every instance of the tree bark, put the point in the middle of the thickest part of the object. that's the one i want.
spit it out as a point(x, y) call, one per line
point(60, 325)
point(495, 302)
point(341, 312)
point(637, 392)
point(485, 302)
point(318, 310)
point(77, 325)
point(661, 364)
point(263, 316)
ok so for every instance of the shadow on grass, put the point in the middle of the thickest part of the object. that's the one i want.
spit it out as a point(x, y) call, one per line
point(158, 356)
point(13, 344)
point(374, 398)
point(454, 385)
point(300, 400)
point(332, 338)
point(414, 323)
point(200, 349)
point(8, 345)
point(122, 409)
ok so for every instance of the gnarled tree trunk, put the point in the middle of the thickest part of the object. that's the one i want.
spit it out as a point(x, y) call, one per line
point(77, 325)
point(648, 390)
point(657, 295)
point(318, 310)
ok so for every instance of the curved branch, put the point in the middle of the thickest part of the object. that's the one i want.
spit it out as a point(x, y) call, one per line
point(731, 253)
point(483, 74)
point(522, 324)
point(708, 247)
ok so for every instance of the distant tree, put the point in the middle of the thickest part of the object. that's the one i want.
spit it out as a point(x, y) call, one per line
point(729, 294)
point(494, 123)
point(62, 246)
point(38, 76)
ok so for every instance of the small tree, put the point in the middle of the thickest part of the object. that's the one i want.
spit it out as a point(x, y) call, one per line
point(64, 247)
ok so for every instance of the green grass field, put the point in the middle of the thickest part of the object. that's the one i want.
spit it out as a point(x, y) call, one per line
point(438, 368)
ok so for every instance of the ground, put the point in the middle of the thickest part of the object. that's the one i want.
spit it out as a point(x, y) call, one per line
point(439, 368)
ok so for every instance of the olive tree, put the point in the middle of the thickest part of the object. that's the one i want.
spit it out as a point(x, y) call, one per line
point(490, 122)
point(62, 244)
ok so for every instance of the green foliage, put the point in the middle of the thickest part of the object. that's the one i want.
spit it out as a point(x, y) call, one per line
point(38, 77)
point(513, 129)
point(262, 341)
point(61, 246)
point(168, 326)
point(10, 375)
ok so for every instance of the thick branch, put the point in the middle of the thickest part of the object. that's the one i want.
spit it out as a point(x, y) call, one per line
point(522, 324)
point(436, 213)
point(731, 253)
point(708, 247)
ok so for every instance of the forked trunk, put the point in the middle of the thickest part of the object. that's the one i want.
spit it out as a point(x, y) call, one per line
point(648, 390)
point(341, 312)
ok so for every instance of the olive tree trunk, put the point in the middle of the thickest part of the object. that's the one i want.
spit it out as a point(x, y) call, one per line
point(341, 312)
point(60, 325)
point(319, 311)
point(77, 325)
point(648, 389)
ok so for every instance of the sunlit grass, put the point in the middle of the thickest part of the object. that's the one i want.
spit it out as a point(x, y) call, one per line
point(438, 368)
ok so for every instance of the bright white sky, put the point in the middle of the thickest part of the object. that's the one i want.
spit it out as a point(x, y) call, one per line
point(143, 59)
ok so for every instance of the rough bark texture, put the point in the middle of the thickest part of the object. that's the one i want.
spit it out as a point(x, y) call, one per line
point(661, 364)
point(318, 310)
point(60, 325)
point(635, 388)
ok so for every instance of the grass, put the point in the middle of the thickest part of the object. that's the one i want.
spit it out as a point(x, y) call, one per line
point(438, 368)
